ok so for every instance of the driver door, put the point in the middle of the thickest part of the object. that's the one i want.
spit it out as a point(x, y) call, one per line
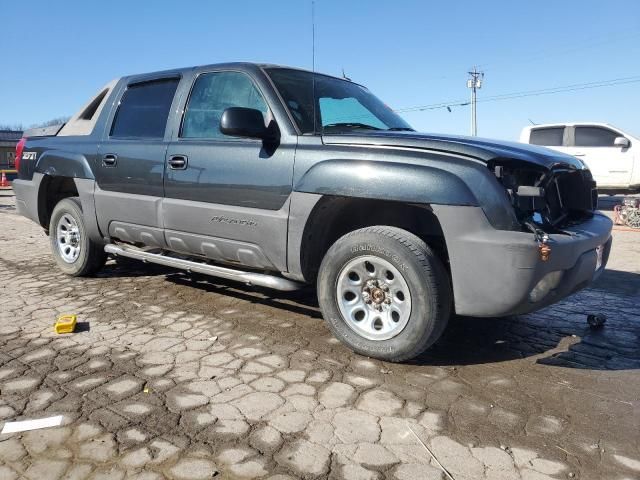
point(227, 198)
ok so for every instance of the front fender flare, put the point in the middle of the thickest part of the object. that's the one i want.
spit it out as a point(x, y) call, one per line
point(386, 180)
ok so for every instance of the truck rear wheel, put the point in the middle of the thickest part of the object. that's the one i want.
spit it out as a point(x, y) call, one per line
point(384, 293)
point(75, 253)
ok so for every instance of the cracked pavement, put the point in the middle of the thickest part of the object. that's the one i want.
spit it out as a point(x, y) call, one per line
point(182, 377)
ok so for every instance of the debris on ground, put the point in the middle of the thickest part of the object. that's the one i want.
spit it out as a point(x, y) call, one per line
point(65, 324)
point(596, 320)
point(628, 212)
point(25, 425)
point(435, 459)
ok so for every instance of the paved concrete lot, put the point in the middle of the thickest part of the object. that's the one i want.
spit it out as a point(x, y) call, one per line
point(171, 376)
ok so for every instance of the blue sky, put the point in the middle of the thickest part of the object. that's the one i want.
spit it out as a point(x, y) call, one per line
point(57, 54)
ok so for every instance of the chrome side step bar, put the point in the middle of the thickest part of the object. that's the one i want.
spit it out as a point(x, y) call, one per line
point(250, 278)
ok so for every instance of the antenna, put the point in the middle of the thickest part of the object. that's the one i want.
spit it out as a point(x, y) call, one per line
point(313, 62)
point(313, 36)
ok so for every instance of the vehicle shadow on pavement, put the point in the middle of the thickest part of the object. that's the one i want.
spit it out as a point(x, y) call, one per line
point(475, 341)
point(557, 335)
point(607, 203)
point(302, 302)
point(619, 282)
point(124, 267)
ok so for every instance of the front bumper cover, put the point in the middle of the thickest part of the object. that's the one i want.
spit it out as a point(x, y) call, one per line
point(494, 271)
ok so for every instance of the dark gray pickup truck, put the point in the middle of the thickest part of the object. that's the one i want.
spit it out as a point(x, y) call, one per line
point(279, 177)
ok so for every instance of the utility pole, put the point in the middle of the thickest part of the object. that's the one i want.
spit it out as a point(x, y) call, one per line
point(474, 83)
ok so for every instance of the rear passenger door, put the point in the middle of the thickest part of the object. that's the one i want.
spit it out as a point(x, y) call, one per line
point(130, 162)
point(226, 198)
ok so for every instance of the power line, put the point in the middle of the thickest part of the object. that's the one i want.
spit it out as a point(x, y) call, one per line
point(576, 86)
point(587, 44)
point(526, 93)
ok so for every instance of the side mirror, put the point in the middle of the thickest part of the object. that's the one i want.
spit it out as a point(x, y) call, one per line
point(244, 122)
point(622, 142)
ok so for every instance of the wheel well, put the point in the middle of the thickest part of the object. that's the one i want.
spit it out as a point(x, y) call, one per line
point(52, 190)
point(333, 217)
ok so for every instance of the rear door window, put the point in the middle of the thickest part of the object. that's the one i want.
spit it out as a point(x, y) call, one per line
point(595, 137)
point(144, 109)
point(548, 137)
point(211, 95)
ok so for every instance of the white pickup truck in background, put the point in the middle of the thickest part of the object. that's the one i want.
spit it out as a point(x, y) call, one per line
point(613, 156)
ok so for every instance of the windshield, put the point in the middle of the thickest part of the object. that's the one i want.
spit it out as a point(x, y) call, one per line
point(340, 105)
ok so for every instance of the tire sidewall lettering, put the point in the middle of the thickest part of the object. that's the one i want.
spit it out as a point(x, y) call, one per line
point(377, 249)
point(358, 342)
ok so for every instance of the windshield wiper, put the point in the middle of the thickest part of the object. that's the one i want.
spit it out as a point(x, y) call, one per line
point(352, 125)
point(401, 129)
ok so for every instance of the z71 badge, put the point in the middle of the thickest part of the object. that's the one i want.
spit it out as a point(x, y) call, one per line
point(29, 155)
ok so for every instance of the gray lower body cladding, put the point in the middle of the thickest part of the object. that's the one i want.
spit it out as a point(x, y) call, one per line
point(494, 271)
point(249, 236)
point(27, 196)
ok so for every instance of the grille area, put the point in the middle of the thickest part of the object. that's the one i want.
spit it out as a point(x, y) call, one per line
point(547, 200)
point(570, 196)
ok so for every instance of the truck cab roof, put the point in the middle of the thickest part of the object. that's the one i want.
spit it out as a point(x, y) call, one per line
point(247, 66)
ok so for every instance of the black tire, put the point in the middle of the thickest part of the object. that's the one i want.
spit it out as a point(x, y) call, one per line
point(424, 274)
point(91, 256)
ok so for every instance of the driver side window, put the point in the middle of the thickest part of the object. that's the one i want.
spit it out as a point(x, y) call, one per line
point(211, 94)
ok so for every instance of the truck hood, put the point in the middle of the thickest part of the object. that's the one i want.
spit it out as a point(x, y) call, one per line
point(483, 149)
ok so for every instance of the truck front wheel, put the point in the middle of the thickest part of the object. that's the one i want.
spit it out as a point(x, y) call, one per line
point(384, 293)
point(74, 252)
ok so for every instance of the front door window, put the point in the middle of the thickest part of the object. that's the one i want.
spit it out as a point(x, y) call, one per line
point(211, 95)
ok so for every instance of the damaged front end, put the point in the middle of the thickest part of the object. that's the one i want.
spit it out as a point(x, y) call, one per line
point(557, 243)
point(547, 201)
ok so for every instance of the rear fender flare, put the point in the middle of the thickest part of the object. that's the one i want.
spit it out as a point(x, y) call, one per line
point(85, 188)
point(59, 163)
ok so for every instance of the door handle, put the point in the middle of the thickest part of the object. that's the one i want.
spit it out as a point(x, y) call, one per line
point(578, 154)
point(109, 160)
point(178, 162)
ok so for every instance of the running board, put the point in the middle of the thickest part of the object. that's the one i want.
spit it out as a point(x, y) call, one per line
point(250, 278)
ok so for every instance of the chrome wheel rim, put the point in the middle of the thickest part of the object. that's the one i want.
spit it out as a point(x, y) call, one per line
point(68, 238)
point(373, 297)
